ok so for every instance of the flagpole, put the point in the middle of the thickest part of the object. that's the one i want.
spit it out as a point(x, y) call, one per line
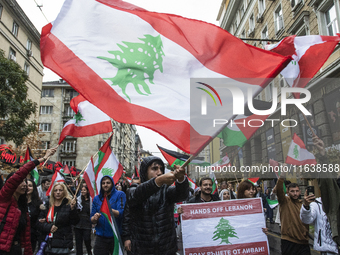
point(82, 171)
point(308, 124)
point(42, 168)
point(74, 196)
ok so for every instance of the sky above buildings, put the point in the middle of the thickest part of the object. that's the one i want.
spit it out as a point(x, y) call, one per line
point(205, 10)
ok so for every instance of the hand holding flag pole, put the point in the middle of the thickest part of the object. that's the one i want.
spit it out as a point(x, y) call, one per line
point(42, 168)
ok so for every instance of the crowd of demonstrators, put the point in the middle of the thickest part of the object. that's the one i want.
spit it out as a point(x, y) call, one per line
point(104, 243)
point(35, 205)
point(42, 188)
point(60, 214)
point(151, 208)
point(83, 229)
point(15, 228)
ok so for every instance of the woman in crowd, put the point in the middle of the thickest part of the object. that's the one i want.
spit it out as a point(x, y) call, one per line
point(34, 206)
point(82, 230)
point(14, 218)
point(225, 194)
point(60, 214)
point(246, 189)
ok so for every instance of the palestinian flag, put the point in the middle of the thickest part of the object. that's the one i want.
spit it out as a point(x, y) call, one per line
point(28, 157)
point(241, 129)
point(106, 211)
point(298, 154)
point(176, 158)
point(87, 121)
point(130, 75)
point(272, 203)
point(65, 170)
point(215, 183)
point(129, 179)
point(57, 177)
point(254, 180)
point(309, 53)
point(225, 161)
point(90, 179)
point(106, 164)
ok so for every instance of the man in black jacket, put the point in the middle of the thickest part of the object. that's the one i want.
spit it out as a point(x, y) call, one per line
point(151, 208)
point(205, 195)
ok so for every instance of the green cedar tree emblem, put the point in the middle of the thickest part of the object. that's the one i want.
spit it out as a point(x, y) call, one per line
point(78, 117)
point(137, 62)
point(224, 231)
point(107, 171)
point(296, 151)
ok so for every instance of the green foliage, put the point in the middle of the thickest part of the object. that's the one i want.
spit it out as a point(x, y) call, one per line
point(137, 62)
point(224, 231)
point(15, 107)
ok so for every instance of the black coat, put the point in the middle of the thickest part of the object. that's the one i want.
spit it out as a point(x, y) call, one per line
point(63, 237)
point(151, 217)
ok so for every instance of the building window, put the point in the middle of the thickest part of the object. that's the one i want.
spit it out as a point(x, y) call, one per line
point(269, 92)
point(2, 140)
point(278, 19)
point(251, 22)
point(264, 35)
point(331, 21)
point(262, 6)
point(71, 93)
point(69, 146)
point(45, 145)
point(47, 93)
point(1, 10)
point(27, 68)
point(46, 109)
point(15, 29)
point(242, 10)
point(12, 54)
point(69, 111)
point(100, 144)
point(29, 44)
point(45, 127)
point(69, 162)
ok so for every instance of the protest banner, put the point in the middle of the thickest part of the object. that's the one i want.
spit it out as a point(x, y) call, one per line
point(224, 228)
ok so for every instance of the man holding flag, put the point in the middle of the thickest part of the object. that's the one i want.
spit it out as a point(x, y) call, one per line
point(107, 236)
point(151, 206)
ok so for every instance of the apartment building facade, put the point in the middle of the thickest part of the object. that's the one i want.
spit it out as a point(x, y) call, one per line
point(259, 22)
point(55, 111)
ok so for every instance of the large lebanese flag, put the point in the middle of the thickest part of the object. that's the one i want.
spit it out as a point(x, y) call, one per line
point(298, 154)
point(88, 121)
point(224, 227)
point(136, 65)
point(309, 53)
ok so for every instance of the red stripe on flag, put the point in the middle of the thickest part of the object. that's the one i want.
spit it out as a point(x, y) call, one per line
point(183, 31)
point(258, 248)
point(89, 185)
point(297, 140)
point(76, 131)
point(222, 209)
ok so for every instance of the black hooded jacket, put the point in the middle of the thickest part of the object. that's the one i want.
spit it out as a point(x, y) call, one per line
point(151, 212)
point(65, 217)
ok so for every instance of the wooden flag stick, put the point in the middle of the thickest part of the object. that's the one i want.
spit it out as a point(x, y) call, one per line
point(75, 195)
point(82, 171)
point(42, 168)
point(308, 124)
